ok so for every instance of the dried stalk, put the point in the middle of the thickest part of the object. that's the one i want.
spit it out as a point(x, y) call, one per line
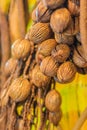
point(83, 25)
point(81, 120)
point(5, 44)
point(25, 2)
point(12, 119)
point(21, 14)
point(40, 106)
point(27, 64)
point(3, 119)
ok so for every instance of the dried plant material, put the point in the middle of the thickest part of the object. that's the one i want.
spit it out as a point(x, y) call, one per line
point(3, 120)
point(21, 14)
point(66, 72)
point(10, 65)
point(74, 7)
point(60, 20)
point(55, 117)
point(78, 37)
point(20, 48)
point(16, 20)
point(83, 25)
point(5, 44)
point(39, 57)
point(44, 57)
point(40, 32)
point(19, 89)
point(62, 38)
point(78, 57)
point(53, 101)
point(49, 66)
point(47, 46)
point(53, 4)
point(73, 27)
point(19, 124)
point(41, 13)
point(38, 78)
point(81, 120)
point(61, 53)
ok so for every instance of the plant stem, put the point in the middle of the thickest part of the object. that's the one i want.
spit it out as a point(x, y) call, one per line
point(83, 25)
point(81, 120)
point(5, 44)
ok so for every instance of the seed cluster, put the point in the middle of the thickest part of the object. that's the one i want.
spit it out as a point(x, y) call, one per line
point(51, 52)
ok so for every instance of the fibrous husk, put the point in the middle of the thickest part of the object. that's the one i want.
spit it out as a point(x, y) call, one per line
point(38, 78)
point(10, 65)
point(61, 53)
point(21, 48)
point(53, 101)
point(78, 57)
point(55, 117)
point(47, 46)
point(53, 4)
point(19, 89)
point(66, 72)
point(74, 7)
point(49, 66)
point(40, 32)
point(62, 38)
point(41, 13)
point(60, 20)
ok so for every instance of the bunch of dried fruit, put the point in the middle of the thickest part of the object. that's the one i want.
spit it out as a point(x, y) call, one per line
point(60, 20)
point(55, 117)
point(78, 57)
point(20, 49)
point(38, 78)
point(46, 47)
point(10, 65)
point(61, 38)
point(74, 7)
point(49, 66)
point(19, 89)
point(61, 53)
point(66, 72)
point(48, 53)
point(52, 4)
point(40, 32)
point(53, 101)
point(41, 13)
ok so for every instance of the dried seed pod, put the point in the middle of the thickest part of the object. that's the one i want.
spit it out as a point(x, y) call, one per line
point(19, 89)
point(74, 7)
point(61, 38)
point(60, 20)
point(53, 101)
point(40, 32)
point(55, 117)
point(53, 4)
point(78, 37)
point(66, 72)
point(20, 48)
point(61, 53)
point(10, 65)
point(38, 78)
point(49, 66)
point(41, 13)
point(46, 47)
point(78, 57)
